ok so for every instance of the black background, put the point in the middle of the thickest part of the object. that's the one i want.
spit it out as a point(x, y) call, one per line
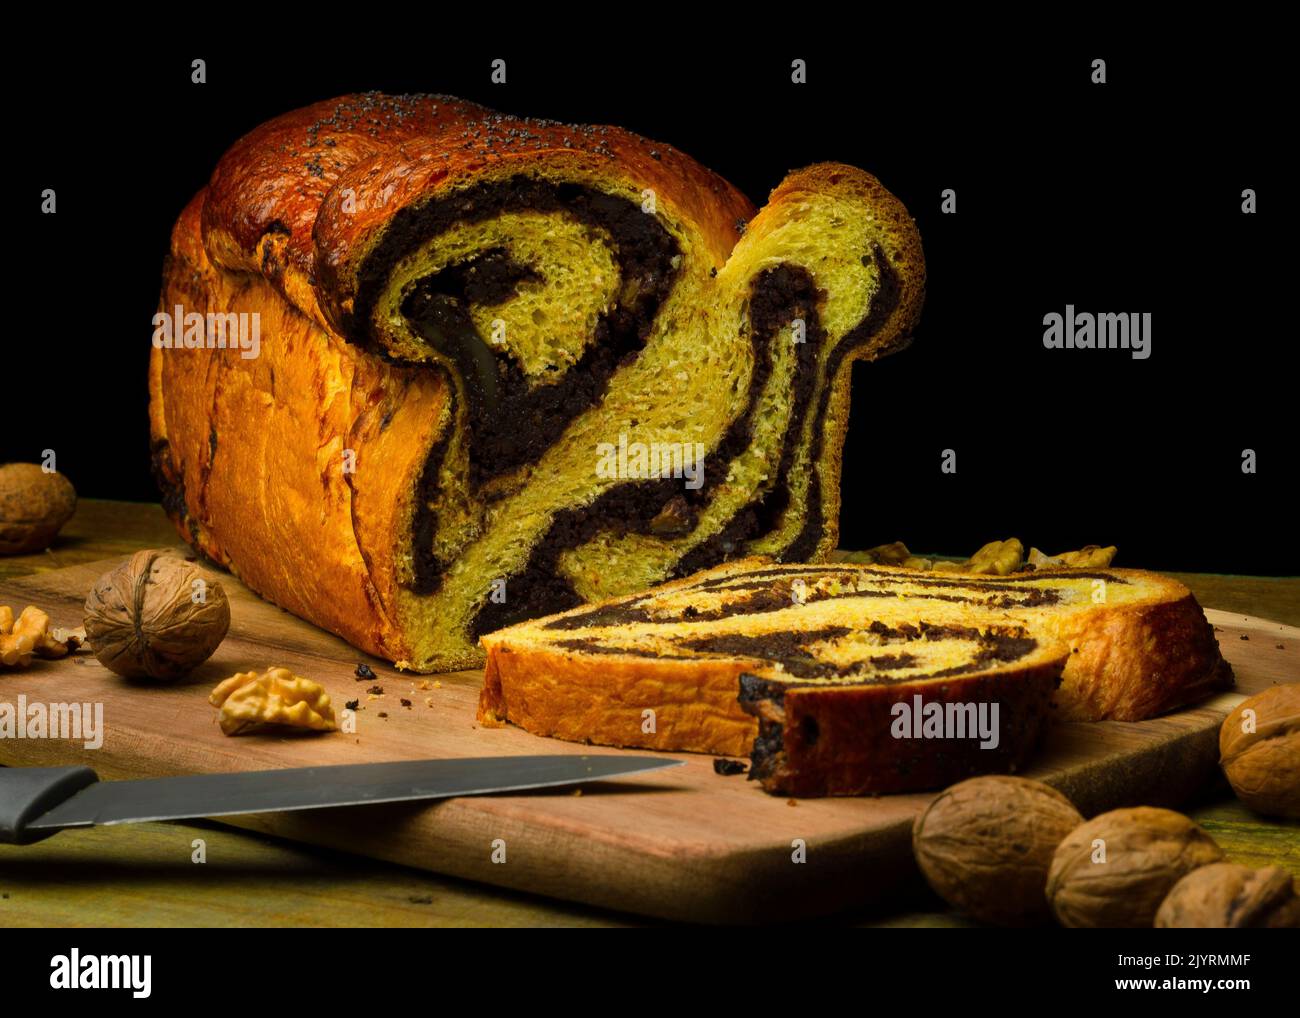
point(1118, 197)
point(1022, 964)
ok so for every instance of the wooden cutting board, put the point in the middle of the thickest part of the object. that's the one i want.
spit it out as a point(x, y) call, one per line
point(682, 844)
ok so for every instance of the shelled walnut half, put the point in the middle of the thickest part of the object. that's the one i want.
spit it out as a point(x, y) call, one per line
point(997, 558)
point(249, 700)
point(1090, 556)
point(30, 636)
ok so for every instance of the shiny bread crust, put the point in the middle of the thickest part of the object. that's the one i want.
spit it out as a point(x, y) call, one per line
point(247, 452)
point(278, 201)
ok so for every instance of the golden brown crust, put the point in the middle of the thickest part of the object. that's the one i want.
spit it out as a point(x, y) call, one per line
point(422, 170)
point(581, 697)
point(270, 500)
point(249, 452)
point(1129, 662)
point(273, 180)
point(284, 187)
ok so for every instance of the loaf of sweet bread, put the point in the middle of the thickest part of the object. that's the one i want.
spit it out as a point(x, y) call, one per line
point(809, 667)
point(490, 368)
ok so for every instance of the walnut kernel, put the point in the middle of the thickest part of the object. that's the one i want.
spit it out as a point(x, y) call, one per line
point(29, 636)
point(1088, 557)
point(997, 557)
point(275, 697)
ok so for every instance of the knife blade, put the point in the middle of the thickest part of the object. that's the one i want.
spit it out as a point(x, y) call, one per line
point(36, 802)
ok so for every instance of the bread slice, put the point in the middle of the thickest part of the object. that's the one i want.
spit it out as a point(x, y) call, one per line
point(509, 366)
point(805, 666)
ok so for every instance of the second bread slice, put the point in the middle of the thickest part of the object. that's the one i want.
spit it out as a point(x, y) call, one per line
point(828, 673)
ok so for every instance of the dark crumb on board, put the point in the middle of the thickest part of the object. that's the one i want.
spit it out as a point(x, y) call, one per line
point(728, 767)
point(792, 802)
point(383, 713)
point(352, 705)
point(404, 702)
point(1244, 636)
point(376, 690)
point(1281, 646)
point(363, 672)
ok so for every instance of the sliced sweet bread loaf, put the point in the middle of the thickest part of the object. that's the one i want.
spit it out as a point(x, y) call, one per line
point(497, 353)
point(807, 666)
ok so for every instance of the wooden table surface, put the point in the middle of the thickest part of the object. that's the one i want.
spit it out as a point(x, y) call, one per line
point(146, 875)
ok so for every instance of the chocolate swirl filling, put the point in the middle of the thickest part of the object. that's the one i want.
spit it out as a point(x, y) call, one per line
point(778, 296)
point(510, 419)
point(790, 650)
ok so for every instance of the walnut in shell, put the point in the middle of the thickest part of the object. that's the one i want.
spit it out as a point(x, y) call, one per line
point(155, 616)
point(276, 697)
point(1259, 750)
point(1227, 895)
point(34, 506)
point(985, 845)
point(1115, 870)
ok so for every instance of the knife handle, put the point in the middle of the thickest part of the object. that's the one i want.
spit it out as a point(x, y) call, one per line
point(27, 793)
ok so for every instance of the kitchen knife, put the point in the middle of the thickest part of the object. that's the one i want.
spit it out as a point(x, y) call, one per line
point(36, 802)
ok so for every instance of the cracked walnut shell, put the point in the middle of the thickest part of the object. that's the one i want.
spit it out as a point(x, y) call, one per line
point(275, 697)
point(155, 616)
point(1260, 751)
point(1228, 895)
point(1116, 869)
point(985, 845)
